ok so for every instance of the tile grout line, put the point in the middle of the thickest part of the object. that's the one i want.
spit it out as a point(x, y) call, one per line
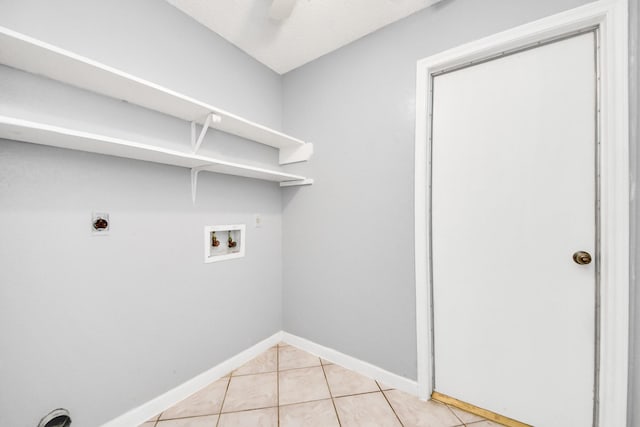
point(306, 401)
point(330, 392)
point(254, 373)
point(311, 401)
point(455, 415)
point(186, 417)
point(278, 370)
point(259, 408)
point(224, 398)
point(252, 409)
point(356, 394)
point(389, 403)
point(189, 417)
point(462, 423)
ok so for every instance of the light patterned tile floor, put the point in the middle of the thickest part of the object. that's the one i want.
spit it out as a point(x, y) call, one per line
point(288, 387)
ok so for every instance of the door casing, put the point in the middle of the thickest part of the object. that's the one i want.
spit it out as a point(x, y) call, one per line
point(610, 18)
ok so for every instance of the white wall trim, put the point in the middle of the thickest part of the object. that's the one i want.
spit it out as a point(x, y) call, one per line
point(364, 368)
point(611, 18)
point(153, 407)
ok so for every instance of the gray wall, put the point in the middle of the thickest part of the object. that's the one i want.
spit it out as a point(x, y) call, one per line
point(100, 325)
point(348, 241)
point(102, 337)
point(634, 133)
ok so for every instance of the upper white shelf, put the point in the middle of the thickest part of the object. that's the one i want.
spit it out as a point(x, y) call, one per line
point(40, 133)
point(35, 56)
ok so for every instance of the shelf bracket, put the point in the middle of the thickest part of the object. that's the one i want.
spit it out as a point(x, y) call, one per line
point(196, 142)
point(306, 181)
point(295, 154)
point(194, 182)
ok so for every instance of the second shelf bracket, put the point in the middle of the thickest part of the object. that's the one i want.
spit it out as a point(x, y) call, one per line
point(194, 182)
point(196, 142)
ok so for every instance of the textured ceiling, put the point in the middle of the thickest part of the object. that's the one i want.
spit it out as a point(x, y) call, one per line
point(314, 27)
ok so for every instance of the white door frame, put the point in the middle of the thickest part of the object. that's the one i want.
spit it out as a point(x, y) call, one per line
point(610, 17)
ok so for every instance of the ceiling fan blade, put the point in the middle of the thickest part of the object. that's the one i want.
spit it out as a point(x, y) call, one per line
point(281, 9)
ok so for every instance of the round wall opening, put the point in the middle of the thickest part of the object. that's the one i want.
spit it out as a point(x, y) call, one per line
point(57, 418)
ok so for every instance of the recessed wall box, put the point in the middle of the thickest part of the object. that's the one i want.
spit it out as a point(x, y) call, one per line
point(222, 242)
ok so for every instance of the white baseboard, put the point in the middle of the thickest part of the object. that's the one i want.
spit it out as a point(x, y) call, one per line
point(147, 410)
point(153, 407)
point(357, 365)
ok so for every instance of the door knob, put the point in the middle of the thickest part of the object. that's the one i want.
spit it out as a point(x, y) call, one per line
point(582, 257)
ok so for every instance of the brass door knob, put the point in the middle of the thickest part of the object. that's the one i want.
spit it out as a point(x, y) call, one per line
point(582, 257)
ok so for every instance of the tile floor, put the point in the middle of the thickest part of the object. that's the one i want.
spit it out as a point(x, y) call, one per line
point(287, 387)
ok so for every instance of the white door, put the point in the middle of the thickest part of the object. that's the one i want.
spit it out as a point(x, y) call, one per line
point(513, 198)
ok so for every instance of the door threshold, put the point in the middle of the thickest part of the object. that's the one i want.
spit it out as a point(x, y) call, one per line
point(485, 413)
